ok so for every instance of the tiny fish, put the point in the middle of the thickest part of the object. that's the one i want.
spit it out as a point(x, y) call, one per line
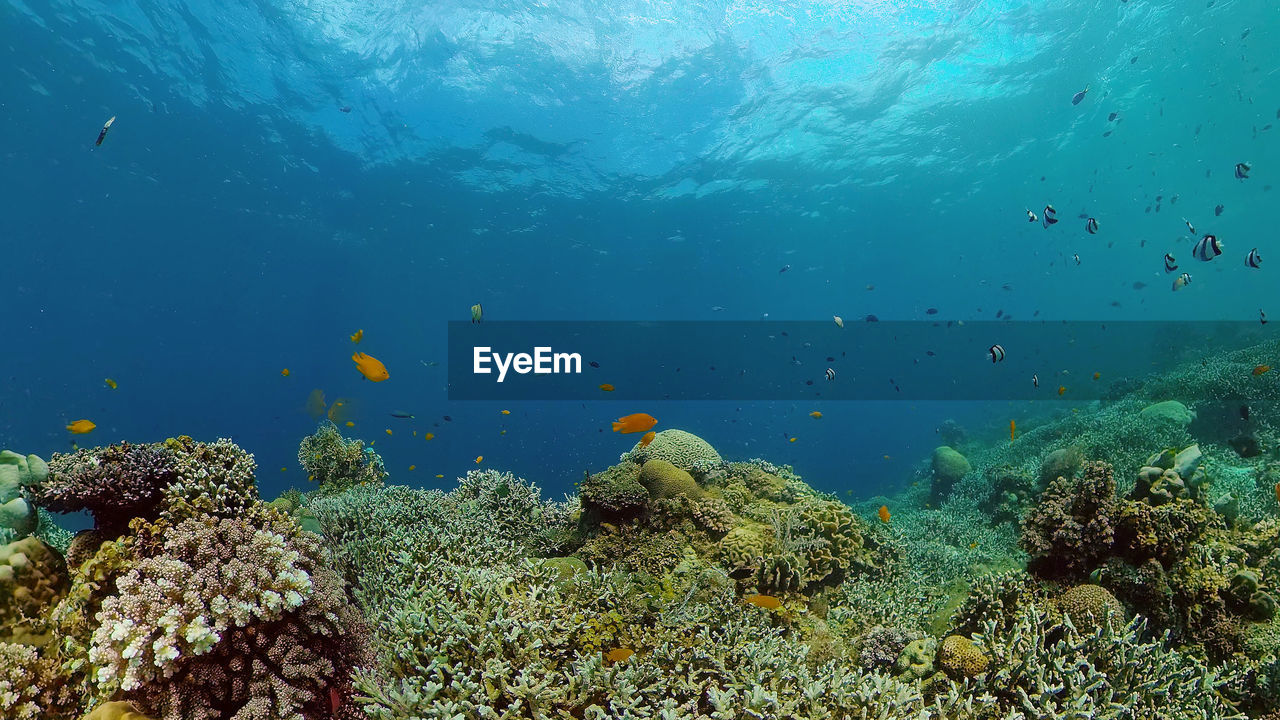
point(284, 372)
point(618, 655)
point(784, 269)
point(1079, 97)
point(791, 439)
point(1217, 211)
point(839, 320)
point(1242, 171)
point(815, 414)
point(1262, 316)
point(412, 468)
point(1061, 390)
point(448, 418)
point(996, 352)
point(1097, 375)
point(594, 364)
point(1049, 217)
point(438, 475)
point(1035, 380)
point(1112, 117)
point(345, 109)
point(648, 438)
point(506, 412)
point(1170, 264)
point(606, 387)
point(357, 336)
point(831, 374)
point(111, 383)
point(388, 431)
point(102, 134)
point(1031, 216)
point(80, 427)
point(768, 602)
point(429, 436)
point(1091, 226)
point(1254, 260)
point(401, 414)
point(479, 459)
point(350, 424)
point(1261, 370)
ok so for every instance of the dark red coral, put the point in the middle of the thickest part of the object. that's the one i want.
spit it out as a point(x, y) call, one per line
point(115, 484)
point(1070, 530)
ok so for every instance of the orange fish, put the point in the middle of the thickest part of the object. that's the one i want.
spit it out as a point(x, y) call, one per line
point(350, 424)
point(791, 439)
point(429, 436)
point(1061, 389)
point(358, 336)
point(1261, 369)
point(370, 367)
point(768, 602)
point(439, 475)
point(479, 458)
point(648, 438)
point(606, 387)
point(1097, 375)
point(388, 431)
point(638, 422)
point(111, 383)
point(80, 427)
point(1013, 428)
point(888, 457)
point(973, 544)
point(815, 414)
point(618, 655)
point(413, 467)
point(883, 512)
point(506, 412)
point(285, 372)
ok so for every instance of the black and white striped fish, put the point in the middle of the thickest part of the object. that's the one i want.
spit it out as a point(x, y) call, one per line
point(1170, 264)
point(1031, 217)
point(831, 374)
point(1254, 260)
point(1050, 216)
point(1190, 228)
point(1181, 281)
point(997, 353)
point(1208, 248)
point(1091, 225)
point(1035, 380)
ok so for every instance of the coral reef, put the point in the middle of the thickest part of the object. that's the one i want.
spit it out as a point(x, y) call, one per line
point(335, 463)
point(1070, 531)
point(682, 449)
point(17, 516)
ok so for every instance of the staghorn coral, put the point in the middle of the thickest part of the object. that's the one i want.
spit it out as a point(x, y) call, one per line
point(682, 449)
point(1069, 531)
point(335, 463)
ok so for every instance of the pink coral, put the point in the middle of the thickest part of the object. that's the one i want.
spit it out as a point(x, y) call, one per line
point(1070, 530)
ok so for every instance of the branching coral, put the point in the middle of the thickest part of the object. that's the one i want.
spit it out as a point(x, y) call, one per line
point(335, 463)
point(1070, 532)
point(115, 484)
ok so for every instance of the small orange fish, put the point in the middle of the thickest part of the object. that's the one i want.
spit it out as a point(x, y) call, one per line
point(285, 372)
point(634, 423)
point(973, 544)
point(768, 602)
point(506, 412)
point(370, 367)
point(648, 438)
point(606, 387)
point(618, 655)
point(80, 427)
point(111, 383)
point(791, 439)
point(1097, 375)
point(883, 512)
point(504, 432)
point(429, 436)
point(479, 458)
point(1013, 428)
point(413, 467)
point(1261, 369)
point(350, 424)
point(358, 336)
point(1061, 389)
point(284, 469)
point(815, 414)
point(439, 475)
point(388, 431)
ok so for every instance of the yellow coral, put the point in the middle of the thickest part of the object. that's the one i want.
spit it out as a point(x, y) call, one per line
point(1086, 605)
point(116, 711)
point(665, 480)
point(959, 657)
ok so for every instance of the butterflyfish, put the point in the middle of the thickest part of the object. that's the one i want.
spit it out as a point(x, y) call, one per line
point(638, 422)
point(370, 367)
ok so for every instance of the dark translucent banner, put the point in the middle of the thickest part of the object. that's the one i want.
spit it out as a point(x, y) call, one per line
point(942, 360)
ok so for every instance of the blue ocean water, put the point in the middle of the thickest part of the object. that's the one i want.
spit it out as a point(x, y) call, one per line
point(282, 174)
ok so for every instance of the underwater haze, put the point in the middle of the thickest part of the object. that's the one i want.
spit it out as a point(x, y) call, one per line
point(282, 175)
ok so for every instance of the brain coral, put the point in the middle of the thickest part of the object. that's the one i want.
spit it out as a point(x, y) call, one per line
point(960, 658)
point(1088, 604)
point(948, 467)
point(665, 480)
point(682, 449)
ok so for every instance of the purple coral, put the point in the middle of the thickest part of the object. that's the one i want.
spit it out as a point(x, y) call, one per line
point(1070, 530)
point(115, 484)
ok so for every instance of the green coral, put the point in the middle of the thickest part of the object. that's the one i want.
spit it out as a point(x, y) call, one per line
point(335, 463)
point(16, 472)
point(665, 480)
point(682, 449)
point(615, 493)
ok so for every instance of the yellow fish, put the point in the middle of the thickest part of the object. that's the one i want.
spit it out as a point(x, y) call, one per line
point(815, 414)
point(370, 367)
point(477, 313)
point(111, 383)
point(768, 602)
point(350, 424)
point(388, 431)
point(285, 372)
point(80, 427)
point(504, 432)
point(479, 458)
point(1062, 389)
point(429, 436)
point(358, 336)
point(618, 655)
point(648, 438)
point(606, 387)
point(315, 404)
point(413, 467)
point(439, 475)
point(506, 412)
point(284, 469)
point(791, 439)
